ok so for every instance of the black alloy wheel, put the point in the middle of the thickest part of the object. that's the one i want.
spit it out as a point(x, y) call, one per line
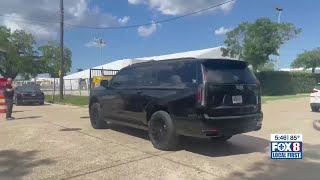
point(162, 132)
point(96, 120)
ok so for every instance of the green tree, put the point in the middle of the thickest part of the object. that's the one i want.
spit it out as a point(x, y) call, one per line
point(255, 42)
point(308, 59)
point(50, 58)
point(18, 54)
point(269, 66)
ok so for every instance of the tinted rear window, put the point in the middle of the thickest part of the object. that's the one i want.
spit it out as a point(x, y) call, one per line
point(29, 88)
point(228, 72)
point(176, 74)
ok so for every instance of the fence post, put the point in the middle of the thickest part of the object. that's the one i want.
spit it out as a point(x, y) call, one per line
point(64, 88)
point(70, 87)
point(90, 82)
point(88, 85)
point(79, 86)
point(54, 89)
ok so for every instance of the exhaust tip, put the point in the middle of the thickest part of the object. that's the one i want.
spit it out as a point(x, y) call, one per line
point(213, 135)
point(214, 132)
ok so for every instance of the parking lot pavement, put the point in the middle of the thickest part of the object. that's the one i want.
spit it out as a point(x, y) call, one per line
point(57, 142)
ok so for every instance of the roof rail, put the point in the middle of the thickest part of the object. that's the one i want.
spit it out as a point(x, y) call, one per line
point(153, 60)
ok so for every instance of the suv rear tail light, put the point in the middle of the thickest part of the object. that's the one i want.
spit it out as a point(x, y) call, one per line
point(201, 90)
point(201, 96)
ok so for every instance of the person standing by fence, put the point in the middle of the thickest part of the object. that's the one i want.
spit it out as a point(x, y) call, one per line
point(8, 94)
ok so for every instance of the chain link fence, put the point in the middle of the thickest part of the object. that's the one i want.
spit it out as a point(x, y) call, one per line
point(75, 87)
point(50, 86)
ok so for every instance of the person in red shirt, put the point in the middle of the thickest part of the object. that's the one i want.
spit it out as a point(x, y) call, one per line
point(8, 94)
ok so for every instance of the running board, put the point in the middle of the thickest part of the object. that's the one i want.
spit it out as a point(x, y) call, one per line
point(123, 123)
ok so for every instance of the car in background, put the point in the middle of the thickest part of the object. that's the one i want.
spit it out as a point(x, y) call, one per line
point(315, 98)
point(28, 94)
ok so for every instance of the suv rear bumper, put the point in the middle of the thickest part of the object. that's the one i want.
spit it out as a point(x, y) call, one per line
point(31, 100)
point(316, 105)
point(206, 126)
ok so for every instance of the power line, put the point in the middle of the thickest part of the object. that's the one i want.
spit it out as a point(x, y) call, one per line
point(29, 20)
point(34, 20)
point(129, 26)
point(155, 22)
point(41, 19)
point(35, 29)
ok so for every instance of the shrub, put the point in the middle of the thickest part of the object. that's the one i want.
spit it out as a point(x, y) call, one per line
point(286, 83)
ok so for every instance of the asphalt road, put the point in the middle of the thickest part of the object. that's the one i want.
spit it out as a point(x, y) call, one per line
point(57, 142)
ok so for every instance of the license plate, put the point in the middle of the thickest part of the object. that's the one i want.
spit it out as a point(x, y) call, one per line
point(236, 99)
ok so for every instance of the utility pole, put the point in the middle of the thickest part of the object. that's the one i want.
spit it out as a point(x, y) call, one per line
point(279, 9)
point(101, 44)
point(61, 73)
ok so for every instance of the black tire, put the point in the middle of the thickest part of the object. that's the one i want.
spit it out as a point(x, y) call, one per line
point(162, 131)
point(316, 125)
point(96, 120)
point(220, 139)
point(314, 109)
point(41, 103)
point(18, 102)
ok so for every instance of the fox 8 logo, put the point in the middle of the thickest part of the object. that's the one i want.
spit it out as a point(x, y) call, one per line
point(286, 146)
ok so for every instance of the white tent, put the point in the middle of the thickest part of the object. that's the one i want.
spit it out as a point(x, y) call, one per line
point(72, 80)
point(116, 65)
point(119, 64)
point(204, 53)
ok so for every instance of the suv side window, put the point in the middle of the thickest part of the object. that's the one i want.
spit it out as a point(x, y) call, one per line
point(144, 76)
point(177, 74)
point(188, 72)
point(123, 78)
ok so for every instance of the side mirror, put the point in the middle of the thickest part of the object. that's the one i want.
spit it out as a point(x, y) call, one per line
point(104, 83)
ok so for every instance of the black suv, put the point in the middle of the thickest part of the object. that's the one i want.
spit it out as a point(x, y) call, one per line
point(213, 98)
